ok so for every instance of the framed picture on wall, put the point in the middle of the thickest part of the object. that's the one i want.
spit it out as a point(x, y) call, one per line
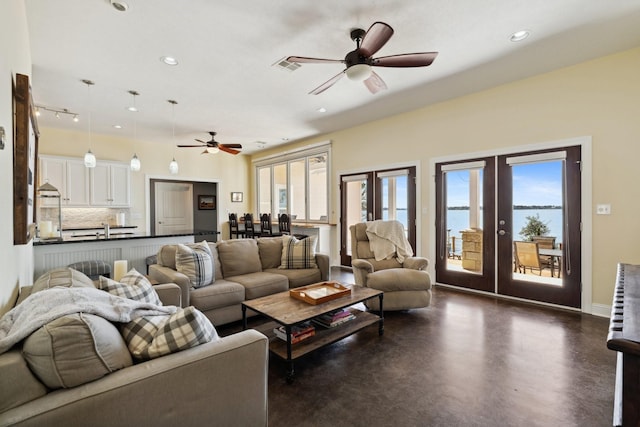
point(236, 196)
point(25, 152)
point(206, 202)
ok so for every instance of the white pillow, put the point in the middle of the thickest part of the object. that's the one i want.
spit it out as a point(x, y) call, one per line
point(298, 254)
point(196, 262)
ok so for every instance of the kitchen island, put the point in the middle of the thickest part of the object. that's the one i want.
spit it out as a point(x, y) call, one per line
point(134, 248)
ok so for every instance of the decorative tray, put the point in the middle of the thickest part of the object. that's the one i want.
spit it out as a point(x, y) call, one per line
point(320, 292)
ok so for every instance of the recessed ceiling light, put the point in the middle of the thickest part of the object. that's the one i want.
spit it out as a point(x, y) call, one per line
point(169, 60)
point(322, 110)
point(117, 126)
point(518, 36)
point(120, 6)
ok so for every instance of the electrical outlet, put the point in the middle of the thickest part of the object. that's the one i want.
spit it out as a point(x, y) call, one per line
point(603, 209)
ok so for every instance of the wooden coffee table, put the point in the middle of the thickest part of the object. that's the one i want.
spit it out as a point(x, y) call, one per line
point(289, 312)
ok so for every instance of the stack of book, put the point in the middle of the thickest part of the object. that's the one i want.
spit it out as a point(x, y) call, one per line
point(334, 318)
point(298, 332)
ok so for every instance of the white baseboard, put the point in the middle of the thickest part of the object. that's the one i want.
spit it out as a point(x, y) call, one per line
point(601, 310)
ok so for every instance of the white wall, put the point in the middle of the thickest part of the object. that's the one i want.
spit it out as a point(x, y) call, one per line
point(16, 262)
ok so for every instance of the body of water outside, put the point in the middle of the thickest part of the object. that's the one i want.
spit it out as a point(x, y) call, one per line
point(458, 220)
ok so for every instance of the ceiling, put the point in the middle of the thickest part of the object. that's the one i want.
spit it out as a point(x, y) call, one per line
point(226, 80)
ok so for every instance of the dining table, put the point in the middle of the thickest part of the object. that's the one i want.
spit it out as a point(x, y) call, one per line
point(554, 254)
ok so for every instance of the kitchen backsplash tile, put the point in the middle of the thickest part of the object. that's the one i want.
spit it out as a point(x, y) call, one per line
point(86, 217)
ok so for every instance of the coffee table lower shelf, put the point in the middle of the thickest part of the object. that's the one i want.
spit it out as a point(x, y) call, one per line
point(324, 336)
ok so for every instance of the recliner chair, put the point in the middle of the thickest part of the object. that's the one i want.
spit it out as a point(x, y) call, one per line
point(405, 285)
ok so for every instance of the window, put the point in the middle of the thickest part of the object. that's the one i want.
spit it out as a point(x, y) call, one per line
point(295, 183)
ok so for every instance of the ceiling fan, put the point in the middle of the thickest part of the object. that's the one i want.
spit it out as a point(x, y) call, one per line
point(360, 60)
point(213, 146)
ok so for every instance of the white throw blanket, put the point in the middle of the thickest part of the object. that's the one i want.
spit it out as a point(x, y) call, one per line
point(387, 238)
point(45, 306)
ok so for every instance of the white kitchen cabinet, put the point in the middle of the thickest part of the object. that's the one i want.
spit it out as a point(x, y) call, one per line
point(110, 185)
point(69, 176)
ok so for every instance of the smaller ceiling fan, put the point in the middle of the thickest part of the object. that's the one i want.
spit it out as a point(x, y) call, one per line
point(212, 147)
point(360, 60)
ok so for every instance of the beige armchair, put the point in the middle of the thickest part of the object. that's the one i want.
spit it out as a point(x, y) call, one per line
point(405, 285)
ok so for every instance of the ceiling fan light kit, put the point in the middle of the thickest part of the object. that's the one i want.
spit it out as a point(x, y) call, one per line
point(359, 62)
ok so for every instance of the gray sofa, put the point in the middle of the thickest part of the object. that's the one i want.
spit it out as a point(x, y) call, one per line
point(244, 269)
point(221, 382)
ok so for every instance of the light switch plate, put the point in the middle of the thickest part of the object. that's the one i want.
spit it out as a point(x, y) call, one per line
point(603, 209)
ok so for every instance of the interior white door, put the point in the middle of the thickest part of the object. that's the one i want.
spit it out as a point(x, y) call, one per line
point(174, 208)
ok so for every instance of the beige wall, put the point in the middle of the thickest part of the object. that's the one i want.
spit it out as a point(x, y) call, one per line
point(231, 172)
point(599, 98)
point(16, 262)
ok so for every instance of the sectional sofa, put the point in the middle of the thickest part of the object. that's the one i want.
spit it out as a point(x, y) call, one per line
point(242, 269)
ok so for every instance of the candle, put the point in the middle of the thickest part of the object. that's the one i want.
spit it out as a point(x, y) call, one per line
point(119, 269)
point(45, 229)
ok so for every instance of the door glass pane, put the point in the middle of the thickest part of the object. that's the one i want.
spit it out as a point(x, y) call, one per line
point(280, 190)
point(356, 207)
point(297, 189)
point(318, 188)
point(463, 217)
point(394, 199)
point(537, 221)
point(264, 190)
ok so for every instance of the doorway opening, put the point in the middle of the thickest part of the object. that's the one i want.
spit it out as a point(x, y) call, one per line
point(183, 207)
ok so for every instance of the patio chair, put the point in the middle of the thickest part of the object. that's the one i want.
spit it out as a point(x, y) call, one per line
point(526, 255)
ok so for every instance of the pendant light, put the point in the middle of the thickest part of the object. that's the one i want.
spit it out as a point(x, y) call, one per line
point(89, 158)
point(173, 166)
point(135, 162)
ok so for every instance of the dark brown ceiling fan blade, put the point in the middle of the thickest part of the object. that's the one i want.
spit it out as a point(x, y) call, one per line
point(226, 149)
point(305, 60)
point(236, 146)
point(183, 146)
point(199, 140)
point(375, 83)
point(377, 35)
point(406, 60)
point(326, 85)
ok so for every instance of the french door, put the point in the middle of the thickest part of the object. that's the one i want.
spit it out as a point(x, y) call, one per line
point(487, 208)
point(385, 194)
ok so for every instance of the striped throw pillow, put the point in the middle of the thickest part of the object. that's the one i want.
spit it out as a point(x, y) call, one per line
point(297, 254)
point(149, 337)
point(132, 285)
point(196, 262)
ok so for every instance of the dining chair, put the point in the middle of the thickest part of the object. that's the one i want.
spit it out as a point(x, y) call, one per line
point(249, 229)
point(546, 242)
point(284, 224)
point(234, 227)
point(265, 225)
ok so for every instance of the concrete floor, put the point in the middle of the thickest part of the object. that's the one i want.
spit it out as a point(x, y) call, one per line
point(467, 360)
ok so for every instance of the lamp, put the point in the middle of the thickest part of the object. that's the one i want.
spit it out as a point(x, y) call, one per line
point(89, 158)
point(173, 166)
point(134, 165)
point(212, 150)
point(359, 72)
point(133, 107)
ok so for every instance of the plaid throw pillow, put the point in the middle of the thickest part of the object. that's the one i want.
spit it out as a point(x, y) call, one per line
point(149, 337)
point(298, 254)
point(196, 262)
point(132, 285)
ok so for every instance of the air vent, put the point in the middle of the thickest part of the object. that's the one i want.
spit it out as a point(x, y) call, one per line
point(286, 65)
